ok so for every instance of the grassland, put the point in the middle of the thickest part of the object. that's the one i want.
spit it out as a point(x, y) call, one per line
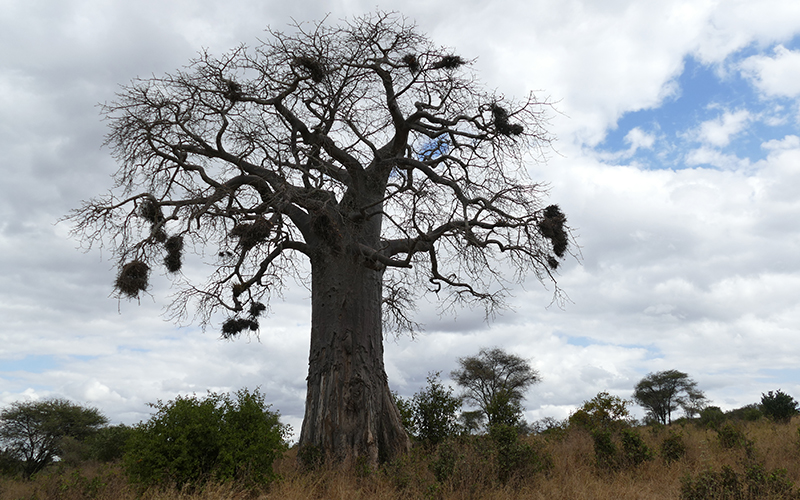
point(761, 461)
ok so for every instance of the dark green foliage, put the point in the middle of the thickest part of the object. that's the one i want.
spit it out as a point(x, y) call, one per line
point(108, 443)
point(672, 447)
point(505, 410)
point(10, 465)
point(495, 382)
point(603, 412)
point(406, 409)
point(605, 450)
point(190, 440)
point(754, 483)
point(444, 464)
point(435, 412)
point(34, 432)
point(748, 413)
point(711, 417)
point(310, 457)
point(730, 436)
point(516, 458)
point(132, 279)
point(472, 421)
point(634, 450)
point(778, 406)
point(662, 393)
point(627, 451)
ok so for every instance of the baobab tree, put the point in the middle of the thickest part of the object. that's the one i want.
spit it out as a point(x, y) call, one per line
point(364, 149)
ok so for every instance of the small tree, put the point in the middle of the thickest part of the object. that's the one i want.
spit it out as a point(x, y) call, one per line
point(190, 440)
point(602, 412)
point(778, 406)
point(495, 382)
point(435, 412)
point(662, 393)
point(33, 431)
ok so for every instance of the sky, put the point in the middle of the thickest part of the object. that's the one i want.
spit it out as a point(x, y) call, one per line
point(677, 163)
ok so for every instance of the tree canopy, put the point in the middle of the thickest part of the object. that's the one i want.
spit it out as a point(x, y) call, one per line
point(495, 381)
point(363, 148)
point(661, 393)
point(33, 431)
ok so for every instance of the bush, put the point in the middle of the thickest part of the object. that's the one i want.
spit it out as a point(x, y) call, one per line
point(711, 417)
point(190, 440)
point(747, 413)
point(673, 448)
point(732, 437)
point(755, 482)
point(778, 406)
point(603, 412)
point(434, 412)
point(516, 458)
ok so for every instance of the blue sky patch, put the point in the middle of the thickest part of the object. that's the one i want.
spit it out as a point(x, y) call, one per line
point(716, 116)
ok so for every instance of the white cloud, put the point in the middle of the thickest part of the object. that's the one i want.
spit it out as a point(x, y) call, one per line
point(719, 131)
point(694, 269)
point(775, 76)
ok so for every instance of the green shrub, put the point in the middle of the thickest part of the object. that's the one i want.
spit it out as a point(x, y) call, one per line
point(516, 458)
point(731, 437)
point(711, 417)
point(605, 450)
point(108, 444)
point(778, 406)
point(673, 448)
point(754, 483)
point(603, 412)
point(634, 450)
point(748, 413)
point(191, 440)
point(434, 412)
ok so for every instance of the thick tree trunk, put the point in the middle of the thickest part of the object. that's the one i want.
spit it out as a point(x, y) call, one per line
point(349, 412)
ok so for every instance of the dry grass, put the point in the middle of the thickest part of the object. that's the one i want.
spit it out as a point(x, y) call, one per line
point(472, 474)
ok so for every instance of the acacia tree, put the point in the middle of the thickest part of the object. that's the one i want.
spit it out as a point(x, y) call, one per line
point(495, 381)
point(363, 148)
point(33, 431)
point(661, 393)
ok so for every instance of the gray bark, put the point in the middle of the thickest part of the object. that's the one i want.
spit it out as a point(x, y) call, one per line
point(349, 408)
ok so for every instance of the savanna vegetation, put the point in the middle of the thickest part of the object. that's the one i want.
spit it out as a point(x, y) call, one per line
point(233, 446)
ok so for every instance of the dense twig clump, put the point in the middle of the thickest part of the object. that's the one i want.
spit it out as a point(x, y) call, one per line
point(234, 326)
point(133, 278)
point(552, 228)
point(173, 260)
point(501, 122)
point(233, 91)
point(449, 62)
point(314, 67)
point(252, 234)
point(150, 210)
point(411, 61)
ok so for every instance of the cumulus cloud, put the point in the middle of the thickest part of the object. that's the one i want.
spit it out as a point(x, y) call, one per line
point(719, 131)
point(778, 75)
point(693, 269)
